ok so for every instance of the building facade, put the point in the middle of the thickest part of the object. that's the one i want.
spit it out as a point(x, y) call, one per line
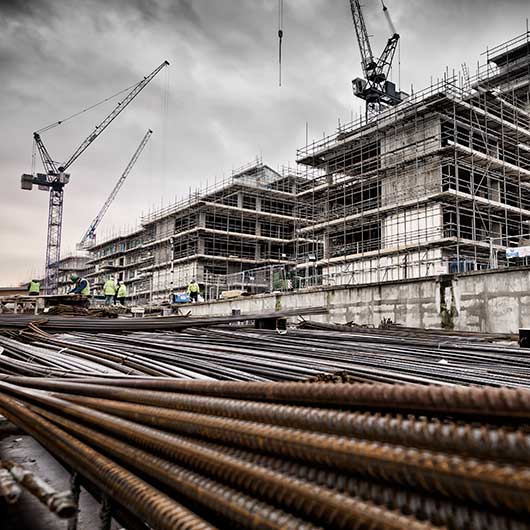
point(246, 223)
point(438, 184)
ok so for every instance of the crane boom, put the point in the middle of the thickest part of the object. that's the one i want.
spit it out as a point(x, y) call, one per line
point(55, 179)
point(120, 107)
point(49, 165)
point(367, 56)
point(90, 234)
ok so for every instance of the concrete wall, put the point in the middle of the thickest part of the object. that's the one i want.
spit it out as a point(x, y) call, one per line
point(417, 179)
point(496, 301)
point(410, 141)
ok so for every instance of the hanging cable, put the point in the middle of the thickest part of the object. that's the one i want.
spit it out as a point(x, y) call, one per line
point(280, 37)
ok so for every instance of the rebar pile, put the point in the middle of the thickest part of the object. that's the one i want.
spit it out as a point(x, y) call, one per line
point(147, 421)
point(241, 354)
point(57, 323)
point(198, 454)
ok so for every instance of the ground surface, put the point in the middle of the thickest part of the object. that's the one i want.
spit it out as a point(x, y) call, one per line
point(30, 514)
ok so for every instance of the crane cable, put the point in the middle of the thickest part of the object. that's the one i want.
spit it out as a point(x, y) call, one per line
point(56, 123)
point(280, 37)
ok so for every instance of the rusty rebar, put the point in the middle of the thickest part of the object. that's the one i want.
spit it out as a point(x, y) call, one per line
point(142, 499)
point(437, 510)
point(496, 483)
point(479, 442)
point(481, 401)
point(225, 502)
point(309, 501)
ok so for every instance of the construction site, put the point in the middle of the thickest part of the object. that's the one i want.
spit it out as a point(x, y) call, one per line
point(337, 342)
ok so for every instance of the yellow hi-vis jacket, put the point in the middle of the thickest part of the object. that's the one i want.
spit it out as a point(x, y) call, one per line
point(109, 288)
point(193, 287)
point(122, 291)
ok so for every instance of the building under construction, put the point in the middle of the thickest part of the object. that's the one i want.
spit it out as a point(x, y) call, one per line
point(437, 184)
point(236, 229)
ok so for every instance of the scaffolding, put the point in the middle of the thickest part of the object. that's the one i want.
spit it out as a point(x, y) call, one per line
point(438, 184)
point(246, 221)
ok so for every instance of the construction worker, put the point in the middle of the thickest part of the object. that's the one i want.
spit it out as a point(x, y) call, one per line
point(193, 291)
point(81, 285)
point(121, 293)
point(109, 290)
point(34, 288)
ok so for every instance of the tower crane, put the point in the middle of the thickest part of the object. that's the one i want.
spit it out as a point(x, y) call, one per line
point(375, 88)
point(55, 178)
point(90, 234)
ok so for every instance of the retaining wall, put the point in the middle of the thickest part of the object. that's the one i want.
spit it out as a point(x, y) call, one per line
point(488, 301)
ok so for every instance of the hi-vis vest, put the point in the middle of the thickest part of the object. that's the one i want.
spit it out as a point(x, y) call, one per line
point(86, 290)
point(122, 291)
point(193, 288)
point(34, 287)
point(109, 288)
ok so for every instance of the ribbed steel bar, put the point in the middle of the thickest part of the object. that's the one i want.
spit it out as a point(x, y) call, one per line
point(495, 483)
point(480, 442)
point(225, 502)
point(243, 354)
point(480, 401)
point(58, 323)
point(146, 502)
point(439, 511)
point(239, 425)
point(305, 499)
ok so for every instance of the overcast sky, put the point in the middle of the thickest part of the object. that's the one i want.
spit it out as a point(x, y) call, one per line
point(215, 108)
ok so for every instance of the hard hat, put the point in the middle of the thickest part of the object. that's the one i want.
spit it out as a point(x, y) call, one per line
point(74, 277)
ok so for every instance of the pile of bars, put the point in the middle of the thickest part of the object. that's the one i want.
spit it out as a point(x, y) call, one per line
point(175, 453)
point(247, 354)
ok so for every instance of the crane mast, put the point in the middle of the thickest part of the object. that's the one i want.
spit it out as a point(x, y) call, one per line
point(55, 178)
point(375, 88)
point(90, 234)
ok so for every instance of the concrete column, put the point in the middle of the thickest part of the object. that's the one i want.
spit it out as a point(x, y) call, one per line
point(240, 200)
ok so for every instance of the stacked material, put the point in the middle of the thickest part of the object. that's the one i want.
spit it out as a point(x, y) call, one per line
point(57, 323)
point(239, 354)
point(202, 454)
